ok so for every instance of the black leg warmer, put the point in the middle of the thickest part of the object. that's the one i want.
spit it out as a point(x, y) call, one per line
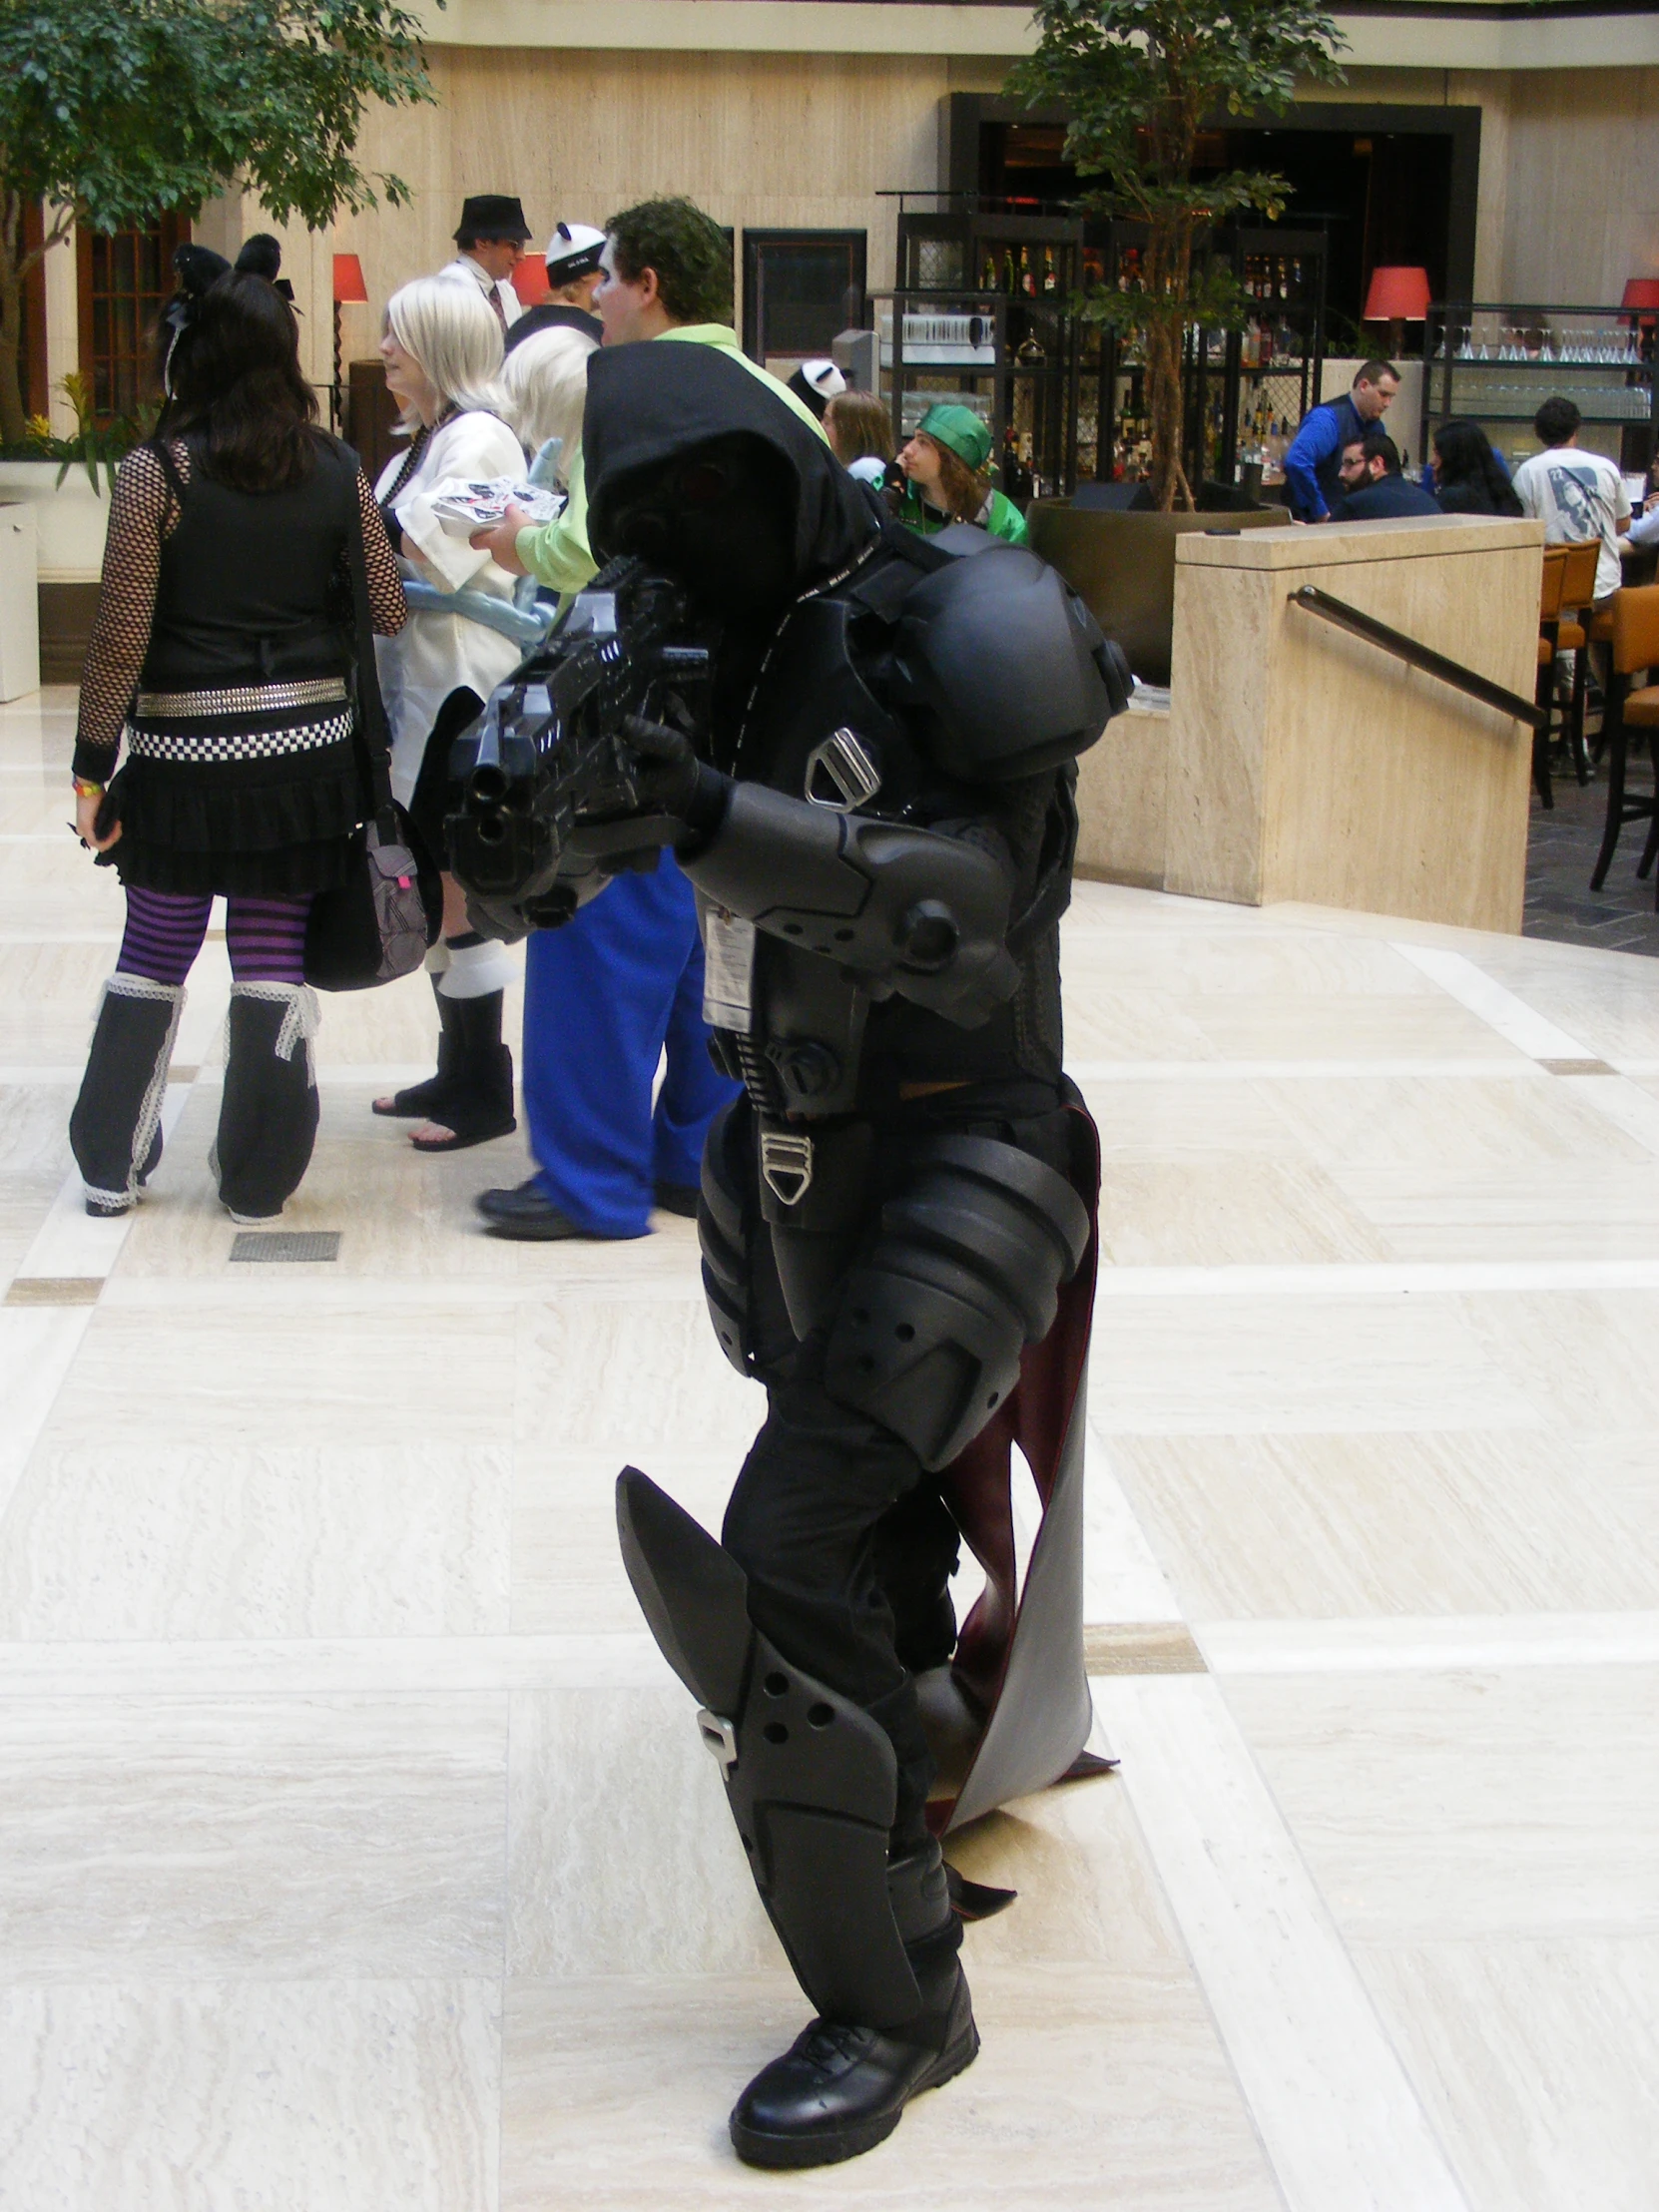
point(115, 1128)
point(268, 1117)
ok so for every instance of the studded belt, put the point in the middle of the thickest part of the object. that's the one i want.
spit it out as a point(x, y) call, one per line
point(243, 699)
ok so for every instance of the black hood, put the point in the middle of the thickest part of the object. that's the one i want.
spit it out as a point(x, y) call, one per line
point(654, 404)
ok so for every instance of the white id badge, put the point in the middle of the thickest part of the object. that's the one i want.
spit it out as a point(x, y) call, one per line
point(728, 970)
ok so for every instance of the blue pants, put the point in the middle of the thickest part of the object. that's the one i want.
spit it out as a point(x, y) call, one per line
point(602, 996)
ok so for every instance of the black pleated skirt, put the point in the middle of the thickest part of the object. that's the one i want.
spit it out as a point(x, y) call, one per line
point(209, 807)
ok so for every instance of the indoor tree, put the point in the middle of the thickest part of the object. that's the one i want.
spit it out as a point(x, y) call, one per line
point(116, 112)
point(1138, 81)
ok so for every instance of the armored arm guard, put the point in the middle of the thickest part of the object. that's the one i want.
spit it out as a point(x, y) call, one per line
point(907, 910)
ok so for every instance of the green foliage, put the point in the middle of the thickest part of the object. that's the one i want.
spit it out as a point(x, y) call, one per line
point(92, 446)
point(1138, 81)
point(1139, 78)
point(128, 108)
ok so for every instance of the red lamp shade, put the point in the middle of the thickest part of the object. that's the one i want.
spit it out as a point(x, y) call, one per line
point(530, 279)
point(1396, 295)
point(350, 289)
point(1641, 292)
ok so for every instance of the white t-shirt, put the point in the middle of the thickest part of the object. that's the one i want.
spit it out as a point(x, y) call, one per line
point(1577, 495)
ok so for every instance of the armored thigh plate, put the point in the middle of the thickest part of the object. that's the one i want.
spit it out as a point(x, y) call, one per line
point(965, 1273)
point(810, 1779)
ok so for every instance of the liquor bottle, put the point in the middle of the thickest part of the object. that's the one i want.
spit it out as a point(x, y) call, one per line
point(1011, 277)
point(987, 274)
point(1027, 278)
point(1051, 275)
point(1264, 346)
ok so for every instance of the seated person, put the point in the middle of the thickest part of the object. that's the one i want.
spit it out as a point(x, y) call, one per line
point(1470, 478)
point(1372, 488)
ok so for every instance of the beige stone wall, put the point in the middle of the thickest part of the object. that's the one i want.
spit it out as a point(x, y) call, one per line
point(792, 141)
point(1583, 198)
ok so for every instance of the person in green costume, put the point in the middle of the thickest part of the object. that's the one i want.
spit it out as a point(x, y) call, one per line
point(949, 481)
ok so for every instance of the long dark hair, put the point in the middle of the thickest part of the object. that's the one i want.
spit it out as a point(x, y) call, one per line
point(1464, 455)
point(236, 388)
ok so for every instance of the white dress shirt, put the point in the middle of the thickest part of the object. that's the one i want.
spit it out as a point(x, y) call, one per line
point(466, 271)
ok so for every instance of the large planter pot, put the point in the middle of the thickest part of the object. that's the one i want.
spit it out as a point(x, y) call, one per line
point(1123, 568)
point(70, 519)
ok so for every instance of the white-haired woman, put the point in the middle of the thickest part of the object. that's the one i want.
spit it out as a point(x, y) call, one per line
point(546, 382)
point(443, 350)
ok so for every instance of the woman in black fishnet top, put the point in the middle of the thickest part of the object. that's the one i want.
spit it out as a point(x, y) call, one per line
point(220, 672)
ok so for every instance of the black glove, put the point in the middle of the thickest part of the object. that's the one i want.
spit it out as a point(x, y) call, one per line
point(669, 778)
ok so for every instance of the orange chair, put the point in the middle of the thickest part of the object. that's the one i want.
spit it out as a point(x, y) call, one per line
point(1550, 620)
point(1634, 622)
point(1578, 591)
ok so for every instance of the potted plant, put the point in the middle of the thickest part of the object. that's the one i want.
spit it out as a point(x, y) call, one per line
point(1138, 81)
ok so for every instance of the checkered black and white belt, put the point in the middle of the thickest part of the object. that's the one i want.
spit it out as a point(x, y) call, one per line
point(206, 726)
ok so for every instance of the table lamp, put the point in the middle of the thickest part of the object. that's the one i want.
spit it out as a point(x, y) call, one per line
point(349, 292)
point(1397, 296)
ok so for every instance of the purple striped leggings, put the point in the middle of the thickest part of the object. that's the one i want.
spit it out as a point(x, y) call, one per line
point(265, 937)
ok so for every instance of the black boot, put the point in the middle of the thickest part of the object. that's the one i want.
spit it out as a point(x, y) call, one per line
point(426, 1101)
point(841, 2088)
point(268, 1114)
point(115, 1128)
point(477, 1103)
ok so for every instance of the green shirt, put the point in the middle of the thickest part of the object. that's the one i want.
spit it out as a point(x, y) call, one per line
point(999, 516)
point(558, 553)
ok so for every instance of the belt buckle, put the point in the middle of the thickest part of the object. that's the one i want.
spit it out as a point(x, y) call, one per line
point(785, 1165)
point(851, 775)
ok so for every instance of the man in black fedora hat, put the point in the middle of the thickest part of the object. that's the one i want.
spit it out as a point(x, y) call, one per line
point(492, 235)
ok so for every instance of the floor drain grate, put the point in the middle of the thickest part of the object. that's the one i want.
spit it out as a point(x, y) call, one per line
point(285, 1244)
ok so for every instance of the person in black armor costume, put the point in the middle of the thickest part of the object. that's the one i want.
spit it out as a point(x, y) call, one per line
point(878, 820)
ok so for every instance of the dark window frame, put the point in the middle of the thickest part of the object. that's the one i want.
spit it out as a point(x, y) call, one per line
point(755, 243)
point(115, 344)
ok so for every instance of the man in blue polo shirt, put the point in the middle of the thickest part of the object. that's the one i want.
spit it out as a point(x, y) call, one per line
point(1313, 463)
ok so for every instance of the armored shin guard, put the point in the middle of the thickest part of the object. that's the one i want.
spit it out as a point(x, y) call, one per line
point(115, 1128)
point(810, 1779)
point(268, 1114)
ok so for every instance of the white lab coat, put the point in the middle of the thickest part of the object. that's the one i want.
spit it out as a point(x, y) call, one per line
point(468, 272)
point(435, 653)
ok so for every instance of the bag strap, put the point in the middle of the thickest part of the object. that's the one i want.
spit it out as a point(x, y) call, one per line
point(370, 722)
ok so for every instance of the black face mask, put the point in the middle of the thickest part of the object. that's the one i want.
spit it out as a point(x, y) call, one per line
point(718, 520)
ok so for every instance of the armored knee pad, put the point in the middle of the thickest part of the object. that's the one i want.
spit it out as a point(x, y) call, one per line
point(810, 1777)
point(724, 1229)
point(965, 1272)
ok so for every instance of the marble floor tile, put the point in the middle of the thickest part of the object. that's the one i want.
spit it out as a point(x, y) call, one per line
point(1469, 1805)
point(208, 1379)
point(1220, 961)
point(39, 1347)
point(180, 1838)
point(1327, 1526)
point(1238, 1364)
point(1093, 2087)
point(1125, 1025)
point(1583, 1357)
point(1339, 2117)
point(1563, 1209)
point(1537, 2059)
point(1174, 1119)
point(567, 1572)
point(1453, 1126)
point(335, 2096)
point(633, 1377)
point(143, 1541)
point(34, 1128)
point(1223, 1210)
point(1331, 1025)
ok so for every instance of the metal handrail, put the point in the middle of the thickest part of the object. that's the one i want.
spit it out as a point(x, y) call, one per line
point(1406, 648)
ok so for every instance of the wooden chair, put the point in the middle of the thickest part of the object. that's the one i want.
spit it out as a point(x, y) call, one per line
point(1549, 618)
point(1634, 623)
point(1572, 634)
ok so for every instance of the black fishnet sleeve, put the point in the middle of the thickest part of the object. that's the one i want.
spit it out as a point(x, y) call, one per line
point(386, 608)
point(143, 511)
